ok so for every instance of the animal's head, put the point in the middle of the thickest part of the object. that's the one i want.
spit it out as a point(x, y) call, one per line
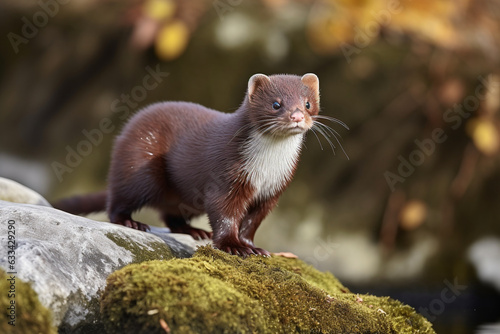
point(283, 104)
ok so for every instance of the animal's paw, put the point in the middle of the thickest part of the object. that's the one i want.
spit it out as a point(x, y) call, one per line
point(243, 250)
point(133, 224)
point(196, 233)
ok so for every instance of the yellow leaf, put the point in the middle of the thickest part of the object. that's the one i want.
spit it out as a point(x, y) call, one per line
point(159, 9)
point(172, 40)
point(485, 136)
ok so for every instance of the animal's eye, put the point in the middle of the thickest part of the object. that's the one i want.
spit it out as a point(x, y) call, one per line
point(308, 105)
point(276, 105)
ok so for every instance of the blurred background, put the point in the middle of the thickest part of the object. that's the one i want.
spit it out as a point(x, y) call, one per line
point(411, 210)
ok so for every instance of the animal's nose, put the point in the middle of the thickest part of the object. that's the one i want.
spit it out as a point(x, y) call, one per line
point(297, 116)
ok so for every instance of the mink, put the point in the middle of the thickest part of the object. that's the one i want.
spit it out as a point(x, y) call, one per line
point(184, 160)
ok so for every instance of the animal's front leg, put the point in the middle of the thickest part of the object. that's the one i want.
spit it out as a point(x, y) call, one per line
point(226, 221)
point(252, 221)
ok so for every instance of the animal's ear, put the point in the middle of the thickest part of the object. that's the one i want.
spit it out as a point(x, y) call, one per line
point(255, 82)
point(311, 80)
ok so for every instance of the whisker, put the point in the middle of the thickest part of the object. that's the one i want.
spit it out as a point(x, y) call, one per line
point(320, 130)
point(261, 124)
point(342, 147)
point(329, 129)
point(326, 130)
point(244, 127)
point(319, 141)
point(264, 125)
point(332, 119)
point(268, 127)
point(335, 134)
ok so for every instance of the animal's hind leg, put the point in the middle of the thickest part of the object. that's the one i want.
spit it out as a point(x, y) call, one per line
point(125, 219)
point(120, 210)
point(178, 224)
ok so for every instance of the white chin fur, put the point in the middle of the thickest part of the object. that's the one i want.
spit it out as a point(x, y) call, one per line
point(270, 160)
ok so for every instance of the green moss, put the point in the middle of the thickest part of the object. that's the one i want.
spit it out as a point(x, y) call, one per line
point(30, 315)
point(158, 250)
point(214, 292)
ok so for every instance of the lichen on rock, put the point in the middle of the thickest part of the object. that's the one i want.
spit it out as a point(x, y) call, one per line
point(66, 259)
point(154, 250)
point(29, 315)
point(214, 292)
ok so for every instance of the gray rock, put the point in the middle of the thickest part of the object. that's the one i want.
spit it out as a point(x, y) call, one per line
point(485, 256)
point(66, 258)
point(12, 191)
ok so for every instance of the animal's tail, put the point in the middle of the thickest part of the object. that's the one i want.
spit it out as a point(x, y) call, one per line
point(82, 204)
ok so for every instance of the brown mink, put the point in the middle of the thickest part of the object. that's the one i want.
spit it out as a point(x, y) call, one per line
point(185, 160)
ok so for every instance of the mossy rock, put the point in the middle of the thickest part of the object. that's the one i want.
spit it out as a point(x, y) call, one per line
point(214, 292)
point(30, 315)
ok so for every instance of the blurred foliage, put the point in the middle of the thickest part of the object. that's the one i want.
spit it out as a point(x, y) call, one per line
point(463, 25)
point(394, 71)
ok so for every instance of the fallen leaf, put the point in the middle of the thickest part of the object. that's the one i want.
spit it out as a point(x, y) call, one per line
point(287, 255)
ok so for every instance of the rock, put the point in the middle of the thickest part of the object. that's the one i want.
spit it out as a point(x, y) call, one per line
point(22, 312)
point(12, 191)
point(76, 275)
point(485, 256)
point(214, 292)
point(66, 259)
